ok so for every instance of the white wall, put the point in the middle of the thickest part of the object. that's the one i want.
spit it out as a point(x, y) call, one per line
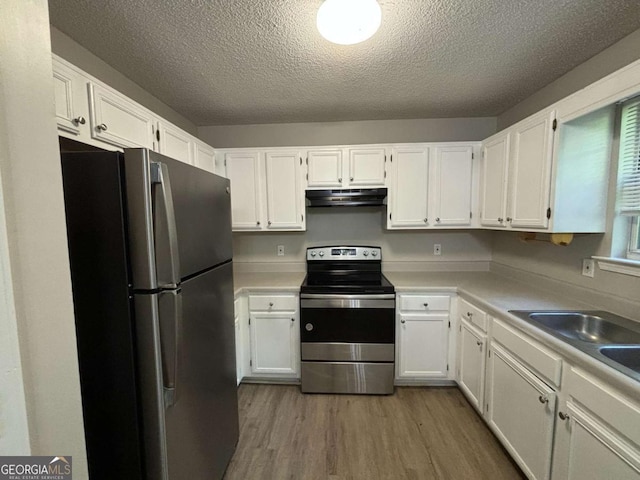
point(341, 133)
point(364, 226)
point(37, 243)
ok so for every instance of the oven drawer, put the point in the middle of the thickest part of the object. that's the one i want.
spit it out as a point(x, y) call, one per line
point(424, 303)
point(273, 303)
point(344, 377)
point(347, 352)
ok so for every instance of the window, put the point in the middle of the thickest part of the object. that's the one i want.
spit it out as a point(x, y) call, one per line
point(628, 197)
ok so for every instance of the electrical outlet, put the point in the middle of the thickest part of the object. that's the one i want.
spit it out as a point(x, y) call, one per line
point(588, 265)
point(281, 250)
point(437, 249)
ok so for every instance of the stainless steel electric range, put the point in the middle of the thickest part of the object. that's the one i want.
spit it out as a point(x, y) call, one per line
point(347, 322)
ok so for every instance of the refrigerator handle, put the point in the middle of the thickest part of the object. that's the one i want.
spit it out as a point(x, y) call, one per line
point(165, 231)
point(170, 313)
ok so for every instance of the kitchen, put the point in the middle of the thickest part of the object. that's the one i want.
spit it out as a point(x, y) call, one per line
point(50, 389)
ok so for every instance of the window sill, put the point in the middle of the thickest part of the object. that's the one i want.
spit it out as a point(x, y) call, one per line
point(619, 265)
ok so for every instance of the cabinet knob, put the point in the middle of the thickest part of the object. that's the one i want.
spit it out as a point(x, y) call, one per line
point(270, 304)
point(351, 179)
point(479, 343)
point(425, 304)
point(340, 180)
point(257, 223)
point(102, 127)
point(437, 219)
point(293, 319)
point(563, 416)
point(269, 222)
point(425, 220)
point(79, 120)
point(543, 399)
point(509, 219)
point(469, 314)
point(402, 320)
point(500, 219)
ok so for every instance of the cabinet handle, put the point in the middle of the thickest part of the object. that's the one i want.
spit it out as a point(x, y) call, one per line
point(425, 304)
point(425, 220)
point(293, 319)
point(270, 304)
point(269, 222)
point(340, 180)
point(509, 219)
point(500, 219)
point(479, 343)
point(543, 399)
point(437, 219)
point(257, 223)
point(469, 314)
point(402, 320)
point(102, 127)
point(79, 120)
point(351, 179)
point(563, 416)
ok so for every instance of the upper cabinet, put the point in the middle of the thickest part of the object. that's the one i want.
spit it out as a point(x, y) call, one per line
point(453, 186)
point(350, 167)
point(546, 174)
point(93, 113)
point(266, 189)
point(119, 121)
point(409, 192)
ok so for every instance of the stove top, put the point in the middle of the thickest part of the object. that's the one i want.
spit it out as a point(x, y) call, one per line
point(345, 270)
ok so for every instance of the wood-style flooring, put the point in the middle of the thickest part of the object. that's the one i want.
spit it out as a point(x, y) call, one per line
point(417, 433)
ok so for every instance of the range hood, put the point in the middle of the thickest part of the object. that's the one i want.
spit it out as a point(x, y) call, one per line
point(362, 197)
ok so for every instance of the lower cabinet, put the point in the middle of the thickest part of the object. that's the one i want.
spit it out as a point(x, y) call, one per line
point(423, 346)
point(521, 412)
point(471, 363)
point(274, 337)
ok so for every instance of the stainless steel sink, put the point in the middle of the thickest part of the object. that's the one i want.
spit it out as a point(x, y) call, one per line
point(628, 355)
point(609, 338)
point(586, 327)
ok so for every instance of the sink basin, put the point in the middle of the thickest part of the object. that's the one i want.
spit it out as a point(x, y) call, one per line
point(628, 356)
point(586, 327)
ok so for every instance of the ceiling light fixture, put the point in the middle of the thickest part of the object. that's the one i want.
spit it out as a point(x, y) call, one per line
point(347, 22)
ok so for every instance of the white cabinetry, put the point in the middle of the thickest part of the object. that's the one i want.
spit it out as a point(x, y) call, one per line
point(367, 167)
point(408, 199)
point(243, 171)
point(423, 329)
point(118, 121)
point(495, 169)
point(324, 168)
point(471, 363)
point(174, 143)
point(597, 431)
point(285, 196)
point(204, 156)
point(453, 173)
point(72, 106)
point(275, 337)
point(521, 411)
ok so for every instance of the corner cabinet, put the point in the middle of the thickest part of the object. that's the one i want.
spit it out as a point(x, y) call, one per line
point(266, 190)
point(495, 170)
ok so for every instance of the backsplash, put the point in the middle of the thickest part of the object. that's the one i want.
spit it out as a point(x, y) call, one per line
point(401, 250)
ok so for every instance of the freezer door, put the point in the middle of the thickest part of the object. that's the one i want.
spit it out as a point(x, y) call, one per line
point(179, 219)
point(186, 351)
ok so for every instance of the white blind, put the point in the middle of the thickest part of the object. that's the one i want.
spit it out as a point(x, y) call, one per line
point(629, 161)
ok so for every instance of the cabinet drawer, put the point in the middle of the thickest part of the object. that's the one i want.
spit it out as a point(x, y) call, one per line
point(618, 411)
point(273, 303)
point(473, 315)
point(424, 303)
point(545, 362)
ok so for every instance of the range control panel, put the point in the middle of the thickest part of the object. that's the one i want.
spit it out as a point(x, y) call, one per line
point(343, 253)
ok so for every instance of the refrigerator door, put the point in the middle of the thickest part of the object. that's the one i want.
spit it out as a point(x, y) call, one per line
point(173, 207)
point(186, 353)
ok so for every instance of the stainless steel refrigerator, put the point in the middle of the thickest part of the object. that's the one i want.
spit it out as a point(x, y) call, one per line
point(151, 266)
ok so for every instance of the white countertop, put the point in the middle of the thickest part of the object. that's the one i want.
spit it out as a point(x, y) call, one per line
point(494, 293)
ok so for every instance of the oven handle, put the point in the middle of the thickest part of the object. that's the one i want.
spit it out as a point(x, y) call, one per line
point(344, 302)
point(381, 296)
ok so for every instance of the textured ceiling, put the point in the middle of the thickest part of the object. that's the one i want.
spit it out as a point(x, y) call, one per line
point(262, 61)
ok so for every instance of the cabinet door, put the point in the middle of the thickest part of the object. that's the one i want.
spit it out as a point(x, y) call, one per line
point(595, 452)
point(238, 351)
point(410, 187)
point(274, 344)
point(243, 171)
point(367, 167)
point(284, 191)
point(452, 185)
point(118, 121)
point(204, 156)
point(423, 346)
point(493, 209)
point(472, 363)
point(324, 168)
point(521, 410)
point(72, 101)
point(531, 156)
point(174, 142)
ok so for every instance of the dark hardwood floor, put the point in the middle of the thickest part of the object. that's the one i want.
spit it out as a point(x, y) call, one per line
point(418, 433)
